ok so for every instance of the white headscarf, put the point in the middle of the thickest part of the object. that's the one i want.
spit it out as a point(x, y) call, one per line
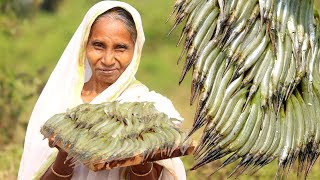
point(63, 90)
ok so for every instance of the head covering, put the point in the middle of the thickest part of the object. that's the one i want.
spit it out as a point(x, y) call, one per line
point(63, 89)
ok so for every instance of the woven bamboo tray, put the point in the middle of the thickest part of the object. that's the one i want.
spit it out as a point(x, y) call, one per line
point(136, 159)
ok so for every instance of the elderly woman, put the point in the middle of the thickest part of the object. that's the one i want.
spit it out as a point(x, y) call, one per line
point(98, 65)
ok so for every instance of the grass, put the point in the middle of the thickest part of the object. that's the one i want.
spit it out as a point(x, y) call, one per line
point(9, 158)
point(37, 43)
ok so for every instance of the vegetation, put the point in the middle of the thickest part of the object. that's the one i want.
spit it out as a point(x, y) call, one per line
point(32, 44)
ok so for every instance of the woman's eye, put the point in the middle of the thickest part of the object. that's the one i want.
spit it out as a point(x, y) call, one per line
point(97, 45)
point(121, 48)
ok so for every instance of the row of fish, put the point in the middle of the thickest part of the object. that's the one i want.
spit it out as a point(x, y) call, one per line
point(256, 73)
point(101, 133)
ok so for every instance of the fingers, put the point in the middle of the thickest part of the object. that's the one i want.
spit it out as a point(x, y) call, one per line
point(50, 142)
point(52, 145)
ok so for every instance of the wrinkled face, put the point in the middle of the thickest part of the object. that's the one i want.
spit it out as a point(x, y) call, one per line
point(109, 50)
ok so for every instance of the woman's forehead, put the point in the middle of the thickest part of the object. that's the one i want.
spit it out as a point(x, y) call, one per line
point(119, 13)
point(110, 28)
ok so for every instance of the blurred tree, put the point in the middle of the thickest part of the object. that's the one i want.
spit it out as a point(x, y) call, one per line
point(26, 8)
point(21, 8)
point(16, 91)
point(50, 5)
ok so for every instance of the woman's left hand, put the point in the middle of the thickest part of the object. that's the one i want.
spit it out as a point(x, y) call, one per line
point(145, 171)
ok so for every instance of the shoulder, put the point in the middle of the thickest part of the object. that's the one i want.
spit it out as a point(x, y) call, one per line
point(139, 93)
point(133, 91)
point(163, 104)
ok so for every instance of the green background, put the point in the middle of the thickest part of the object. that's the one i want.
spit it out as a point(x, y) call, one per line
point(32, 46)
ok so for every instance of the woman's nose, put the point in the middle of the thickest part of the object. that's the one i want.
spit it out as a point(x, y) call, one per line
point(108, 58)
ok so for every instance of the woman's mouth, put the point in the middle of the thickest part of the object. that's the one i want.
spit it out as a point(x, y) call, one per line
point(106, 71)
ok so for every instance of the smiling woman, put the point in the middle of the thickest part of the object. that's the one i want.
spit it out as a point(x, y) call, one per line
point(98, 65)
point(109, 51)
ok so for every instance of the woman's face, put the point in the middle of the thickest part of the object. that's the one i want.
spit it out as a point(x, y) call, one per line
point(109, 50)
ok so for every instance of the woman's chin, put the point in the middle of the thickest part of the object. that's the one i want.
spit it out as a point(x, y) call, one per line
point(106, 79)
point(106, 76)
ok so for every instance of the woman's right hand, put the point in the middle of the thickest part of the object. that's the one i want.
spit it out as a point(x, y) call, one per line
point(61, 151)
point(60, 165)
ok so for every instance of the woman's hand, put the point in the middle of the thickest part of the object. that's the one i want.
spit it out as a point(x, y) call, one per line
point(59, 167)
point(145, 171)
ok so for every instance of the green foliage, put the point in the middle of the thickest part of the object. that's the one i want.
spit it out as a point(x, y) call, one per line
point(50, 5)
point(9, 158)
point(19, 8)
point(27, 8)
point(16, 91)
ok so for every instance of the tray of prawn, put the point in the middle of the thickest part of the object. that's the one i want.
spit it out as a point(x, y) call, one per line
point(117, 134)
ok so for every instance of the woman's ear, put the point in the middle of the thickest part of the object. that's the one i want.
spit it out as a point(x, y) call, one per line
point(88, 71)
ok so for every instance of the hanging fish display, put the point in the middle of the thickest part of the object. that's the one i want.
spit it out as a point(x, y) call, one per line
point(255, 73)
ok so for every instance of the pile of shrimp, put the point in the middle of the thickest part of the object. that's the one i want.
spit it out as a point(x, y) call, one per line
point(256, 75)
point(102, 133)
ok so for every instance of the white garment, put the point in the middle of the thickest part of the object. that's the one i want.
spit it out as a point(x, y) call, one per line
point(174, 168)
point(63, 91)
